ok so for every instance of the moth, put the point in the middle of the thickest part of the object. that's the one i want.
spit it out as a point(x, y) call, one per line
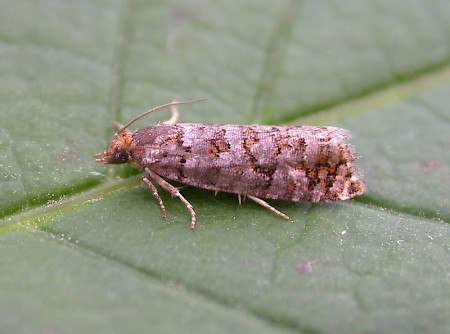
point(289, 163)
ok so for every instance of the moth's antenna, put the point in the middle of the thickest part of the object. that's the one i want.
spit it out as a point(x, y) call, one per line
point(167, 105)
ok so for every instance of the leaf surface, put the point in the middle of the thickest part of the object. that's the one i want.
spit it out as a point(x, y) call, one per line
point(84, 248)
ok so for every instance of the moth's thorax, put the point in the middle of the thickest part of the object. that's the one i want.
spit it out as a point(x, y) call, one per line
point(119, 151)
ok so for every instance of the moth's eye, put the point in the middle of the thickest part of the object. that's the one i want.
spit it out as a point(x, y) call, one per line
point(122, 157)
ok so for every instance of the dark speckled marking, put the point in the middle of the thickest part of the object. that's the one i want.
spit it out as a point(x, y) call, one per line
point(291, 163)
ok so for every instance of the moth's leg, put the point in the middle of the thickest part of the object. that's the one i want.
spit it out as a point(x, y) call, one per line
point(155, 194)
point(174, 118)
point(174, 192)
point(268, 206)
point(241, 198)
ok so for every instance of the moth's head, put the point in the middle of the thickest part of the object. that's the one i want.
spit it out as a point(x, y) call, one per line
point(119, 151)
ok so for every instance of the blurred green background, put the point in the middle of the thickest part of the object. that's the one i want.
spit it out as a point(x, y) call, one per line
point(83, 246)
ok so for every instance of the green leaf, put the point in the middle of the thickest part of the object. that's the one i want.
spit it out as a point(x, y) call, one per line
point(84, 247)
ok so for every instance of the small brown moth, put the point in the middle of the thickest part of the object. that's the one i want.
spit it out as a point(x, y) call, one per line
point(290, 163)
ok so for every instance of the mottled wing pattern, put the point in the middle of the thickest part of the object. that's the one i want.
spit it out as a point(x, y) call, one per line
point(292, 163)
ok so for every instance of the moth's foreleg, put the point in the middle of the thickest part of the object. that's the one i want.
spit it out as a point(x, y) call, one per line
point(268, 206)
point(155, 194)
point(174, 192)
point(174, 118)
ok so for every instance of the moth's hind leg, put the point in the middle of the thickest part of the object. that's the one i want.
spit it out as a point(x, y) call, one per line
point(174, 192)
point(268, 206)
point(155, 194)
point(174, 118)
